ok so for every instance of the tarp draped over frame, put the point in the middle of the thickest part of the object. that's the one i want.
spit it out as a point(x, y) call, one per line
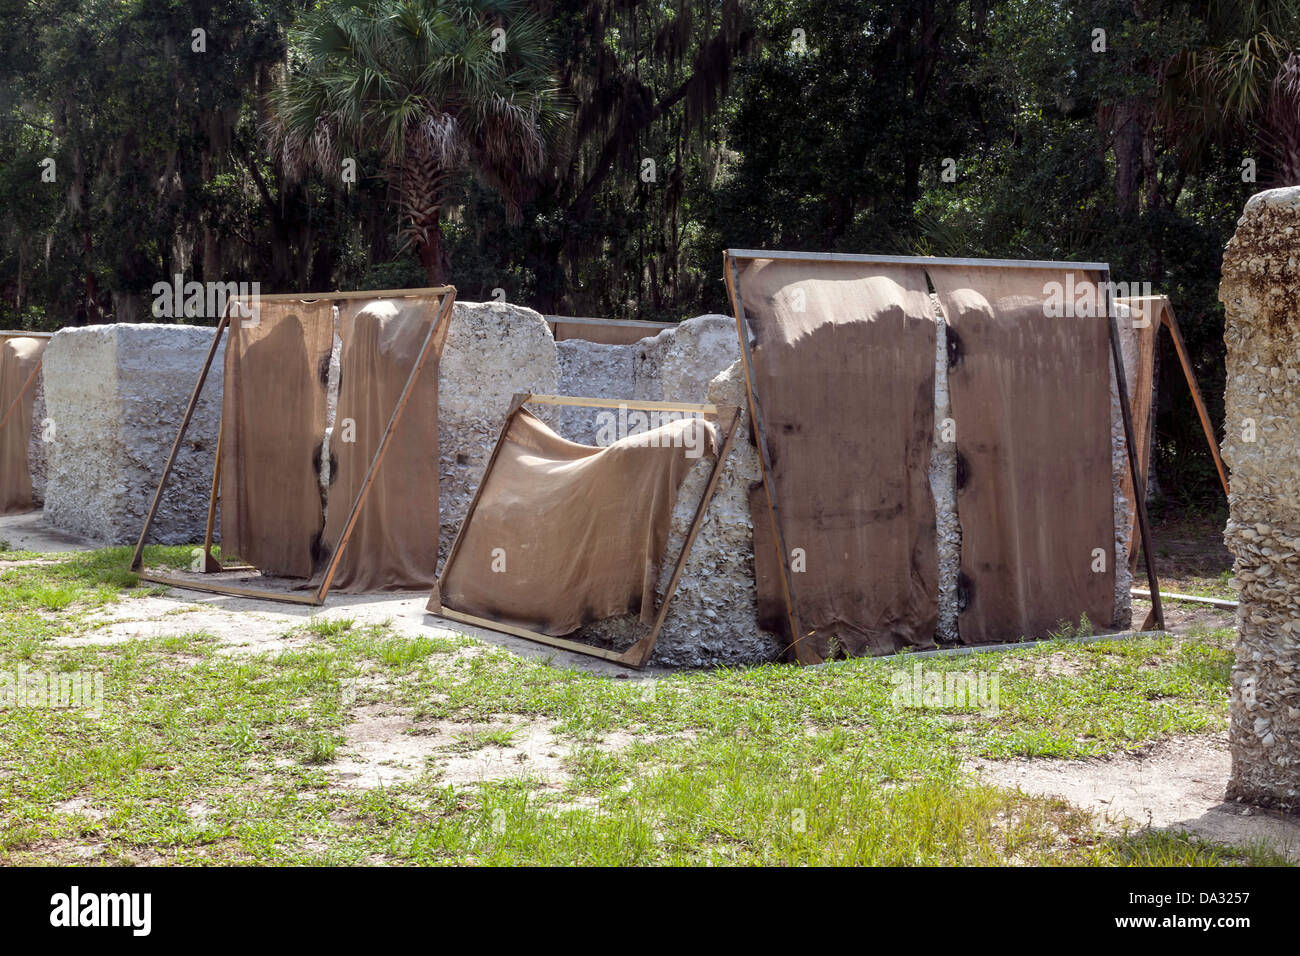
point(1035, 499)
point(564, 534)
point(394, 544)
point(273, 426)
point(18, 358)
point(844, 374)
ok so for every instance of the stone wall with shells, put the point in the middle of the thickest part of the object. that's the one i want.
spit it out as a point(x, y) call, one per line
point(1260, 287)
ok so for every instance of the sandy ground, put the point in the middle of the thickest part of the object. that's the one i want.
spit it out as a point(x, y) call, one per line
point(1182, 617)
point(1177, 784)
point(252, 626)
point(29, 532)
point(383, 744)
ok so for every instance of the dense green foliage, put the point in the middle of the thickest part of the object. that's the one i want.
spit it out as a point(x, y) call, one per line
point(810, 124)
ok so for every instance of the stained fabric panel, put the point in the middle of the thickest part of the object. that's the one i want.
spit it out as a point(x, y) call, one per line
point(565, 534)
point(1030, 397)
point(19, 357)
point(394, 544)
point(844, 375)
point(273, 426)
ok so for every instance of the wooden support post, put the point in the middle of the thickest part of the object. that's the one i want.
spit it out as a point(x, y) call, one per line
point(560, 642)
point(1157, 615)
point(260, 594)
point(1171, 323)
point(211, 564)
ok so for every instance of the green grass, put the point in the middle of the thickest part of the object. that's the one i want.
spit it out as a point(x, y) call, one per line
point(328, 627)
point(1219, 585)
point(84, 579)
point(208, 757)
point(493, 737)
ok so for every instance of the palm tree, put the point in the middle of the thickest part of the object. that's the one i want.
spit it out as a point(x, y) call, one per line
point(436, 87)
point(1243, 75)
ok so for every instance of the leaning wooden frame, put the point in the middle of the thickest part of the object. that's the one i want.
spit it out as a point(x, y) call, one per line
point(1146, 305)
point(731, 277)
point(1158, 313)
point(727, 416)
point(446, 296)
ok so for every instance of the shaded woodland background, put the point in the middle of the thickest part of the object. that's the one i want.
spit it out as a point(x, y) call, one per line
point(792, 124)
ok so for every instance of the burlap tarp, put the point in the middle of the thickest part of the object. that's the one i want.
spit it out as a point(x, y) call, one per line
point(18, 358)
point(394, 544)
point(844, 375)
point(1031, 400)
point(565, 534)
point(272, 430)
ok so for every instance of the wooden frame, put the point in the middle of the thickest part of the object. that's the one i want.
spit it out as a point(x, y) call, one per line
point(731, 277)
point(1159, 311)
point(728, 417)
point(1148, 304)
point(446, 296)
point(607, 331)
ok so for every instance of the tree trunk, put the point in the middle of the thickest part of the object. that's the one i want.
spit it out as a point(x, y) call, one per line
point(421, 193)
point(1128, 155)
point(1261, 433)
point(433, 256)
point(93, 313)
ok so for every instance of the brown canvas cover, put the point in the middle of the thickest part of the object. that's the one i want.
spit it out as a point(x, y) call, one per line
point(19, 357)
point(1030, 397)
point(272, 429)
point(394, 543)
point(844, 375)
point(564, 534)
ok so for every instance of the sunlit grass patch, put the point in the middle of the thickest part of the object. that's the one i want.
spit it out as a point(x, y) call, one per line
point(399, 652)
point(328, 626)
point(1160, 848)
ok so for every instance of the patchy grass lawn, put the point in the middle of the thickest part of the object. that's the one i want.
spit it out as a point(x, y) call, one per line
point(202, 756)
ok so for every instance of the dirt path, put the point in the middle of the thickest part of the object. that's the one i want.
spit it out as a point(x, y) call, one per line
point(1175, 785)
point(30, 532)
